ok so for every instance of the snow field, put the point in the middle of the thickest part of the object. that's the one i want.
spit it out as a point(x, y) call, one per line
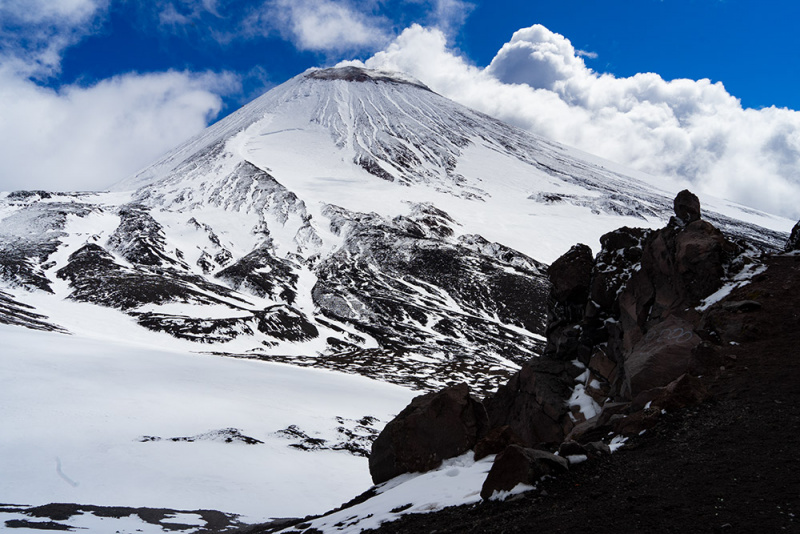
point(74, 410)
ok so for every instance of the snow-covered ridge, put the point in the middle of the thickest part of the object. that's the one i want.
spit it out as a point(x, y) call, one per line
point(348, 218)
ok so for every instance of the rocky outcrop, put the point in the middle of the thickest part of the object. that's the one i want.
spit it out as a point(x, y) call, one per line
point(519, 465)
point(532, 404)
point(794, 239)
point(637, 329)
point(687, 207)
point(432, 428)
point(625, 340)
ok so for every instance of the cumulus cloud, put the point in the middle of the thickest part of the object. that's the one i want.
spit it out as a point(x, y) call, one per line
point(691, 130)
point(320, 25)
point(86, 137)
point(90, 137)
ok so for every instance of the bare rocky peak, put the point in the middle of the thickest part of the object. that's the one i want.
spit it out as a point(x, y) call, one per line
point(358, 74)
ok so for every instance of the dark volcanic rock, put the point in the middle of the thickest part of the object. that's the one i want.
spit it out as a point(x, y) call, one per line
point(684, 391)
point(496, 441)
point(661, 356)
point(571, 275)
point(519, 465)
point(263, 274)
point(432, 428)
point(687, 206)
point(139, 238)
point(533, 403)
point(95, 277)
point(16, 313)
point(570, 278)
point(285, 322)
point(794, 239)
point(391, 278)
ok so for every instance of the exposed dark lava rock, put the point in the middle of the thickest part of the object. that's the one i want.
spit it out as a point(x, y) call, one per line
point(357, 74)
point(571, 275)
point(533, 403)
point(285, 322)
point(661, 356)
point(727, 465)
point(261, 273)
point(163, 518)
point(139, 238)
point(496, 441)
point(16, 313)
point(519, 465)
point(391, 277)
point(794, 239)
point(434, 427)
point(687, 207)
point(642, 353)
point(95, 277)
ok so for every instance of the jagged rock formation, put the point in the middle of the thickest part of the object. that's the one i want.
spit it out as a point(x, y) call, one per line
point(433, 427)
point(626, 337)
point(794, 239)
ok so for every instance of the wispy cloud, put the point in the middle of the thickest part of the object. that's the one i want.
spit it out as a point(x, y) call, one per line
point(449, 15)
point(686, 129)
point(320, 25)
point(34, 33)
point(584, 53)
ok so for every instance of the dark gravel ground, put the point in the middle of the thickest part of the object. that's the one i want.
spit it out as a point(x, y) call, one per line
point(729, 465)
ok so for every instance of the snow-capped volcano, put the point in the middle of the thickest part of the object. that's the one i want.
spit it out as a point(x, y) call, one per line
point(347, 219)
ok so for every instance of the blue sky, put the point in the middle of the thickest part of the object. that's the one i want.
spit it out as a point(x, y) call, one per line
point(753, 50)
point(92, 90)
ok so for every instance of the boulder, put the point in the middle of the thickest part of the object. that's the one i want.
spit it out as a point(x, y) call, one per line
point(662, 355)
point(794, 239)
point(687, 206)
point(571, 275)
point(682, 392)
point(496, 441)
point(520, 465)
point(570, 278)
point(593, 449)
point(432, 428)
point(533, 402)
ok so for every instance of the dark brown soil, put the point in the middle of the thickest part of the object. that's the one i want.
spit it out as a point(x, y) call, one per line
point(729, 465)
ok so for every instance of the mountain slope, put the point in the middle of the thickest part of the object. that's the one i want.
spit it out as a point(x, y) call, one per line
point(347, 219)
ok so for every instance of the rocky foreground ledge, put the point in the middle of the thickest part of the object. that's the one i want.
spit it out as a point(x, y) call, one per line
point(729, 464)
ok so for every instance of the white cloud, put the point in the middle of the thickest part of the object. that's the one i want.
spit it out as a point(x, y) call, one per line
point(320, 25)
point(34, 33)
point(183, 12)
point(686, 129)
point(91, 137)
point(450, 15)
point(78, 137)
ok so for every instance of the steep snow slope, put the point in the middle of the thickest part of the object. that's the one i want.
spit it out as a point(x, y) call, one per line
point(347, 219)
